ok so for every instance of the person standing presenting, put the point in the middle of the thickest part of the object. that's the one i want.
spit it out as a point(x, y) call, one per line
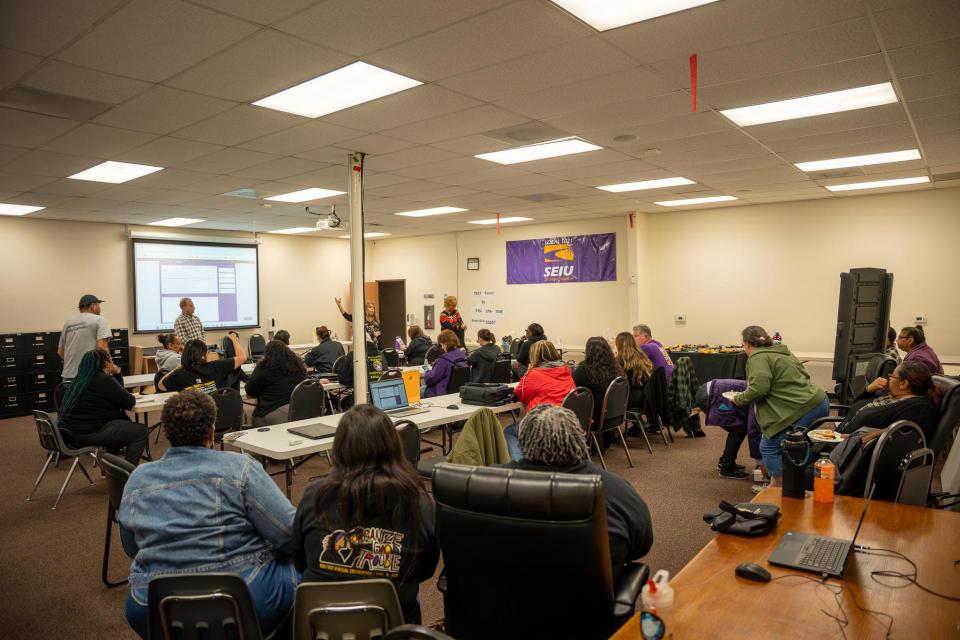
point(188, 326)
point(85, 331)
point(450, 318)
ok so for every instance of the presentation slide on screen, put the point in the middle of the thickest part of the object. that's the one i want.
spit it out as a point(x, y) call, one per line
point(220, 279)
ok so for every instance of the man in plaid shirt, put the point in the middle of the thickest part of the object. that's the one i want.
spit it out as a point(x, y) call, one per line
point(188, 326)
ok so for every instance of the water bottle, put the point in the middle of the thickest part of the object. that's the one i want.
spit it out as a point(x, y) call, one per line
point(824, 471)
point(757, 474)
point(398, 344)
point(795, 450)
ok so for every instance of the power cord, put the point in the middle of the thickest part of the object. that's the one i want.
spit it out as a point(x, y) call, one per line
point(836, 590)
point(911, 578)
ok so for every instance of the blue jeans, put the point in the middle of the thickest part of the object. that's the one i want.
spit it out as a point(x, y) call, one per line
point(770, 447)
point(513, 442)
point(272, 592)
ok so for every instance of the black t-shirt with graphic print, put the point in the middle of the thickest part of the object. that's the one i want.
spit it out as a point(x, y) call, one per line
point(405, 555)
point(208, 377)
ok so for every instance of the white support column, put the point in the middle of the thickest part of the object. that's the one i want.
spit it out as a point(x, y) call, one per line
point(355, 195)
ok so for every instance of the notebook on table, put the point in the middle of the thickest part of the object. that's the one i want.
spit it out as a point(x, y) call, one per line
point(314, 431)
point(390, 396)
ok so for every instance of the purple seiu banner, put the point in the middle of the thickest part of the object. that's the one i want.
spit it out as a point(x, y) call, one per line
point(590, 258)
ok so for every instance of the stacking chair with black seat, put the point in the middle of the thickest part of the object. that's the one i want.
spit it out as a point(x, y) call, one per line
point(433, 353)
point(459, 376)
point(415, 632)
point(486, 596)
point(410, 439)
point(390, 357)
point(202, 606)
point(580, 401)
point(345, 610)
point(52, 441)
point(515, 347)
point(501, 370)
point(613, 417)
point(885, 472)
point(655, 403)
point(256, 346)
point(949, 413)
point(117, 471)
point(307, 400)
point(229, 413)
point(391, 374)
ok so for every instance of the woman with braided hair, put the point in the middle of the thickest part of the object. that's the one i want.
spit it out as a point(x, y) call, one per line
point(552, 441)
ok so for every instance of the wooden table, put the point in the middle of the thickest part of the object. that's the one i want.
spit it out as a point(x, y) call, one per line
point(711, 602)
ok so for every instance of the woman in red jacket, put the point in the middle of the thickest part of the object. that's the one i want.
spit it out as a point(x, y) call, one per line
point(548, 379)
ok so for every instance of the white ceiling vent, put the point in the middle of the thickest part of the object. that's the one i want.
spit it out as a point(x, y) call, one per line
point(527, 133)
point(52, 104)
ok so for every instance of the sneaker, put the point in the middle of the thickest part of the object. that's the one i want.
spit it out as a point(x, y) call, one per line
point(735, 474)
point(757, 488)
point(738, 467)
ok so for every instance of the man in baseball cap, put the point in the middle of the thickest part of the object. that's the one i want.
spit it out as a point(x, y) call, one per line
point(83, 332)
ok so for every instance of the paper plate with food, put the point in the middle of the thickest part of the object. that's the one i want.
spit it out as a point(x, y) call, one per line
point(824, 435)
point(729, 395)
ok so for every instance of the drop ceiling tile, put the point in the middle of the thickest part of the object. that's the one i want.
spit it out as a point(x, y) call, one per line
point(172, 179)
point(433, 170)
point(257, 10)
point(225, 203)
point(473, 145)
point(22, 129)
point(279, 169)
point(374, 144)
point(919, 22)
point(624, 114)
point(929, 57)
point(155, 39)
point(239, 124)
point(404, 189)
point(259, 66)
point(729, 180)
point(413, 105)
point(931, 85)
point(44, 27)
point(360, 27)
point(7, 154)
point(648, 136)
point(596, 173)
point(98, 141)
point(216, 185)
point(56, 165)
point(881, 146)
point(408, 158)
point(14, 64)
point(162, 110)
point(918, 167)
point(438, 195)
point(328, 155)
point(96, 204)
point(71, 188)
point(12, 181)
point(741, 166)
point(167, 151)
point(138, 193)
point(834, 122)
point(934, 107)
point(59, 77)
point(374, 180)
point(939, 124)
point(303, 137)
point(328, 177)
point(504, 33)
point(941, 138)
point(226, 161)
point(527, 180)
point(825, 142)
point(457, 125)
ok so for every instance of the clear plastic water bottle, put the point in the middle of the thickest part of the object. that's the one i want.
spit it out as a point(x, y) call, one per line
point(398, 344)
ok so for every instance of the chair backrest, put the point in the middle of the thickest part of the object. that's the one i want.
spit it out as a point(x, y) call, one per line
point(49, 434)
point(614, 407)
point(515, 347)
point(392, 374)
point(501, 370)
point(950, 473)
point(336, 364)
point(898, 440)
point(211, 606)
point(257, 345)
point(459, 376)
point(354, 609)
point(226, 345)
point(655, 394)
point(949, 412)
point(410, 439)
point(519, 511)
point(58, 393)
point(229, 409)
point(580, 401)
point(390, 357)
point(879, 366)
point(307, 400)
point(117, 471)
point(415, 632)
point(433, 353)
point(916, 470)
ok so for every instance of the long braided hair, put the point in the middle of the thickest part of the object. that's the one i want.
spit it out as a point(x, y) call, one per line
point(553, 436)
point(91, 362)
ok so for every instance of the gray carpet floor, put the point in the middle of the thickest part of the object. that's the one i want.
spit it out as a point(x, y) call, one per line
point(51, 559)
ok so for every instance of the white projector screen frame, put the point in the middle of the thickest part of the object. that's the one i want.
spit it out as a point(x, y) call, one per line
point(222, 279)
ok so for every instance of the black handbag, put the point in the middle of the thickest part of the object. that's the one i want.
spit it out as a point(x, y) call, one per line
point(487, 394)
point(744, 518)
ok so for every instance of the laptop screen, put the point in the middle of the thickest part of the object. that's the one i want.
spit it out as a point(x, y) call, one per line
point(389, 394)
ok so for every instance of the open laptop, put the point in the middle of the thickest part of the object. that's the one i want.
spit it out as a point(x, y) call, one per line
point(314, 431)
point(816, 554)
point(390, 396)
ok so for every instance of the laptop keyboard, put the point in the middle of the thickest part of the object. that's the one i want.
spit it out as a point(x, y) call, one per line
point(821, 553)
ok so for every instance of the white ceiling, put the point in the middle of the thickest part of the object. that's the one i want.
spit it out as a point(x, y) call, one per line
point(170, 82)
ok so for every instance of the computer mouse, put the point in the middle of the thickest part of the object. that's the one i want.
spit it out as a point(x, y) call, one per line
point(453, 406)
point(751, 571)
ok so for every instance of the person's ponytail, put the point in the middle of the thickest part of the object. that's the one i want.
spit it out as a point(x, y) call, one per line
point(756, 337)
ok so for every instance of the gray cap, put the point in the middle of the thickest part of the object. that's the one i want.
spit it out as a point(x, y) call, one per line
point(88, 300)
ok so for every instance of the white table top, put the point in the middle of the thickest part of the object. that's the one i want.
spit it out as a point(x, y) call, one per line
point(148, 402)
point(275, 443)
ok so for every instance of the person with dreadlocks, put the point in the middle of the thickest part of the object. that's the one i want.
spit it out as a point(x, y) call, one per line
point(552, 441)
point(93, 411)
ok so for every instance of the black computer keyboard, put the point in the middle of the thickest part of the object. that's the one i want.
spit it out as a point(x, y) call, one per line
point(821, 553)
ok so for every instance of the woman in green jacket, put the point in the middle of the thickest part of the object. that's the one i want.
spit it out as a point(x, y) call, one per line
point(780, 389)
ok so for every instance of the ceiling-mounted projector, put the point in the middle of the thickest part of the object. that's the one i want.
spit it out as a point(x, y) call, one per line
point(328, 220)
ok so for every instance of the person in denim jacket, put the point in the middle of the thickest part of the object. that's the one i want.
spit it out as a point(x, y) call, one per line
point(200, 510)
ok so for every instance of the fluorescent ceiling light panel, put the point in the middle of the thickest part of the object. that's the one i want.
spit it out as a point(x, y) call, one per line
point(646, 184)
point(346, 87)
point(17, 209)
point(305, 194)
point(689, 201)
point(436, 211)
point(293, 230)
point(502, 220)
point(369, 234)
point(610, 14)
point(834, 102)
point(115, 172)
point(878, 184)
point(552, 149)
point(176, 222)
point(860, 161)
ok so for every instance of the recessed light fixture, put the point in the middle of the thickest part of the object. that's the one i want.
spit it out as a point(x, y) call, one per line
point(551, 149)
point(115, 172)
point(878, 184)
point(369, 234)
point(305, 194)
point(610, 14)
point(646, 184)
point(689, 201)
point(17, 209)
point(293, 230)
point(501, 220)
point(436, 211)
point(860, 161)
point(346, 87)
point(834, 102)
point(176, 222)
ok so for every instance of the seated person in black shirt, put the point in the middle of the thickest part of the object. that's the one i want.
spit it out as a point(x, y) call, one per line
point(196, 373)
point(596, 372)
point(416, 350)
point(272, 382)
point(344, 371)
point(533, 334)
point(283, 336)
point(370, 518)
point(322, 356)
point(911, 396)
point(93, 411)
point(552, 441)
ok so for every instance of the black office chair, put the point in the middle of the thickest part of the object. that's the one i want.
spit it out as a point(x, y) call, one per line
point(392, 374)
point(949, 413)
point(897, 442)
point(229, 413)
point(459, 376)
point(307, 400)
point(433, 353)
point(390, 357)
point(204, 606)
point(410, 439)
point(515, 347)
point(117, 471)
point(256, 346)
point(580, 401)
point(484, 594)
point(53, 443)
point(613, 416)
point(501, 370)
